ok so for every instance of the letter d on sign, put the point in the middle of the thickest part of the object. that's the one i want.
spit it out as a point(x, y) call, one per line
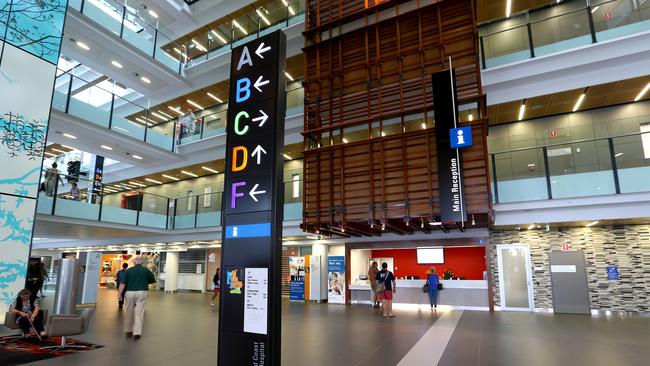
point(244, 161)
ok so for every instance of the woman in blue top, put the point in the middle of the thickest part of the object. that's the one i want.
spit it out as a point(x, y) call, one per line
point(432, 281)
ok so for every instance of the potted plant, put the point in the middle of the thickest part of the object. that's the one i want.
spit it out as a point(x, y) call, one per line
point(448, 274)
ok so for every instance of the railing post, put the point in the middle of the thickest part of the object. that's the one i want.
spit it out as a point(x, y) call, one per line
point(67, 100)
point(175, 135)
point(110, 115)
point(155, 42)
point(167, 214)
point(101, 201)
point(146, 123)
point(547, 173)
point(81, 8)
point(196, 210)
point(139, 208)
point(56, 191)
point(612, 155)
point(592, 27)
point(174, 218)
point(530, 39)
point(482, 50)
point(494, 179)
point(123, 19)
point(202, 127)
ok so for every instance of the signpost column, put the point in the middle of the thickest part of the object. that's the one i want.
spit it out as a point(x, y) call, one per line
point(250, 305)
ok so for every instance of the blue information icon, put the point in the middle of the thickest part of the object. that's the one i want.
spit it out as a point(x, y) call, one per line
point(460, 137)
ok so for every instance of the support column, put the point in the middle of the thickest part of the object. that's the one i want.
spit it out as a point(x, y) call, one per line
point(321, 250)
point(30, 40)
point(171, 272)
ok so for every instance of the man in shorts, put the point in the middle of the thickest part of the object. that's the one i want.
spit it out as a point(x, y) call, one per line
point(387, 278)
point(374, 286)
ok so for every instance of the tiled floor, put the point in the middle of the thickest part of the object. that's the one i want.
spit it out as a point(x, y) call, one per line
point(181, 329)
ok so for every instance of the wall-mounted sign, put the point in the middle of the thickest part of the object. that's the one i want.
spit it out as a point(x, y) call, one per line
point(460, 137)
point(249, 325)
point(450, 165)
point(336, 280)
point(612, 273)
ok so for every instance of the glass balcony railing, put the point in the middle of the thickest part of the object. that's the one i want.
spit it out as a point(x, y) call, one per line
point(562, 26)
point(92, 101)
point(262, 18)
point(583, 168)
point(102, 202)
point(124, 22)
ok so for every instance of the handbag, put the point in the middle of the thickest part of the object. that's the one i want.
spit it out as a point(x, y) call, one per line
point(425, 288)
point(439, 286)
point(381, 287)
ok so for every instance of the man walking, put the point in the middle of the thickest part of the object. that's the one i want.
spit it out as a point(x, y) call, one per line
point(386, 280)
point(372, 277)
point(136, 282)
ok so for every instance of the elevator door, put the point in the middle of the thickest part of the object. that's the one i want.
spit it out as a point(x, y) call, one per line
point(569, 282)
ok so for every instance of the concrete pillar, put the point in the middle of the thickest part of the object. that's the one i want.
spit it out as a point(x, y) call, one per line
point(171, 272)
point(321, 250)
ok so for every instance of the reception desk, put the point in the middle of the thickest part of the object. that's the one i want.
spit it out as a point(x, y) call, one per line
point(471, 293)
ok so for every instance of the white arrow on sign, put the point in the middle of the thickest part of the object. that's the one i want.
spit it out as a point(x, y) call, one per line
point(261, 50)
point(254, 193)
point(260, 82)
point(261, 119)
point(258, 151)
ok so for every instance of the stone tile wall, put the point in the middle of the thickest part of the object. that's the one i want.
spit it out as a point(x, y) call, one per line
point(626, 246)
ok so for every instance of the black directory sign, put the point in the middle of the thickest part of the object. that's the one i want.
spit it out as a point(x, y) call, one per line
point(450, 165)
point(251, 250)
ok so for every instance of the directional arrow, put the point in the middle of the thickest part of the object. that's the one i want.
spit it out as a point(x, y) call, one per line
point(254, 193)
point(261, 50)
point(258, 151)
point(260, 82)
point(261, 119)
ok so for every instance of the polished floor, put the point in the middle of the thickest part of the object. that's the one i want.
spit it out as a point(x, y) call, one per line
point(181, 329)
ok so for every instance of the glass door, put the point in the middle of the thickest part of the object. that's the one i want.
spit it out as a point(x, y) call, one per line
point(515, 277)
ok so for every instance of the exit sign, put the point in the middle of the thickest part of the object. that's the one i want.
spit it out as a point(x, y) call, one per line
point(249, 321)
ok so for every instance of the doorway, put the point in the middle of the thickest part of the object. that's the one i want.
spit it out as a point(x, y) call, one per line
point(515, 277)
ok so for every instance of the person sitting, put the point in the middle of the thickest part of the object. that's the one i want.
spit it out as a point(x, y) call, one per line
point(28, 310)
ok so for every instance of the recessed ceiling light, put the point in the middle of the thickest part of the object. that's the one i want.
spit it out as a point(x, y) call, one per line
point(199, 46)
point(58, 150)
point(145, 79)
point(83, 45)
point(592, 223)
point(579, 102)
point(158, 116)
point(170, 177)
point(137, 183)
point(188, 173)
point(265, 19)
point(137, 157)
point(210, 169)
point(531, 227)
point(522, 110)
point(642, 93)
point(153, 14)
point(240, 27)
point(49, 154)
point(70, 136)
point(288, 76)
point(424, 126)
point(106, 147)
point(214, 97)
point(152, 180)
point(345, 141)
point(165, 114)
point(223, 40)
point(471, 117)
point(508, 8)
point(619, 154)
point(195, 104)
point(177, 110)
point(117, 64)
point(287, 157)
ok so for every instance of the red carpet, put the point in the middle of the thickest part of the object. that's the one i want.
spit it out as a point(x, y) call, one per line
point(18, 351)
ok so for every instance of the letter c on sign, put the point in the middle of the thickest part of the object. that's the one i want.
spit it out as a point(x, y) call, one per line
point(241, 131)
point(244, 161)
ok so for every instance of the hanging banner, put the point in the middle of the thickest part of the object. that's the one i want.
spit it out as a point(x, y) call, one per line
point(336, 280)
point(252, 214)
point(450, 165)
point(297, 278)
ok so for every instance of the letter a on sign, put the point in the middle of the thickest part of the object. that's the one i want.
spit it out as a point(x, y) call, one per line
point(245, 59)
point(244, 160)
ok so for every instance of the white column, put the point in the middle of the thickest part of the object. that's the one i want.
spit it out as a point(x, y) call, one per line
point(321, 250)
point(171, 272)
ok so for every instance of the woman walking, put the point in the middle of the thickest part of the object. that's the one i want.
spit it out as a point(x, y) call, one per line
point(433, 281)
point(217, 286)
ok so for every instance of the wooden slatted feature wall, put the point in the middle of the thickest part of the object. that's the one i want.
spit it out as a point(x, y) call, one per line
point(370, 146)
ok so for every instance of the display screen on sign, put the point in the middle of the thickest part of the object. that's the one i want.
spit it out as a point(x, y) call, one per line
point(249, 325)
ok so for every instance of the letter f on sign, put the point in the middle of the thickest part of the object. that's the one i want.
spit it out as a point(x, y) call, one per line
point(235, 194)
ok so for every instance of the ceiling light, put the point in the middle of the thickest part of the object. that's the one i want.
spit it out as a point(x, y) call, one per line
point(210, 169)
point(59, 151)
point(471, 117)
point(214, 97)
point(137, 184)
point(531, 227)
point(194, 104)
point(165, 114)
point(137, 157)
point(199, 46)
point(522, 110)
point(345, 141)
point(287, 157)
point(117, 64)
point(153, 14)
point(83, 45)
point(170, 177)
point(262, 16)
point(285, 3)
point(141, 120)
point(424, 126)
point(152, 180)
point(579, 102)
point(70, 136)
point(188, 173)
point(594, 9)
point(508, 8)
point(240, 27)
point(223, 40)
point(619, 154)
point(176, 110)
point(291, 10)
point(158, 116)
point(145, 79)
point(288, 76)
point(106, 147)
point(642, 93)
point(592, 223)
point(49, 154)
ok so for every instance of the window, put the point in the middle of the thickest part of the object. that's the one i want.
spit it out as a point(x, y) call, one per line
point(295, 186)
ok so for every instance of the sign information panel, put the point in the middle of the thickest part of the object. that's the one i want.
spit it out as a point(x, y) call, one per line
point(249, 319)
point(450, 164)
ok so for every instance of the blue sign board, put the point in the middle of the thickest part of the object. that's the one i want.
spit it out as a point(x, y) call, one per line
point(460, 137)
point(336, 264)
point(297, 290)
point(612, 273)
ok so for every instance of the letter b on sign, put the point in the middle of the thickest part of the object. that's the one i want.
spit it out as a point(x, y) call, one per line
point(243, 90)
